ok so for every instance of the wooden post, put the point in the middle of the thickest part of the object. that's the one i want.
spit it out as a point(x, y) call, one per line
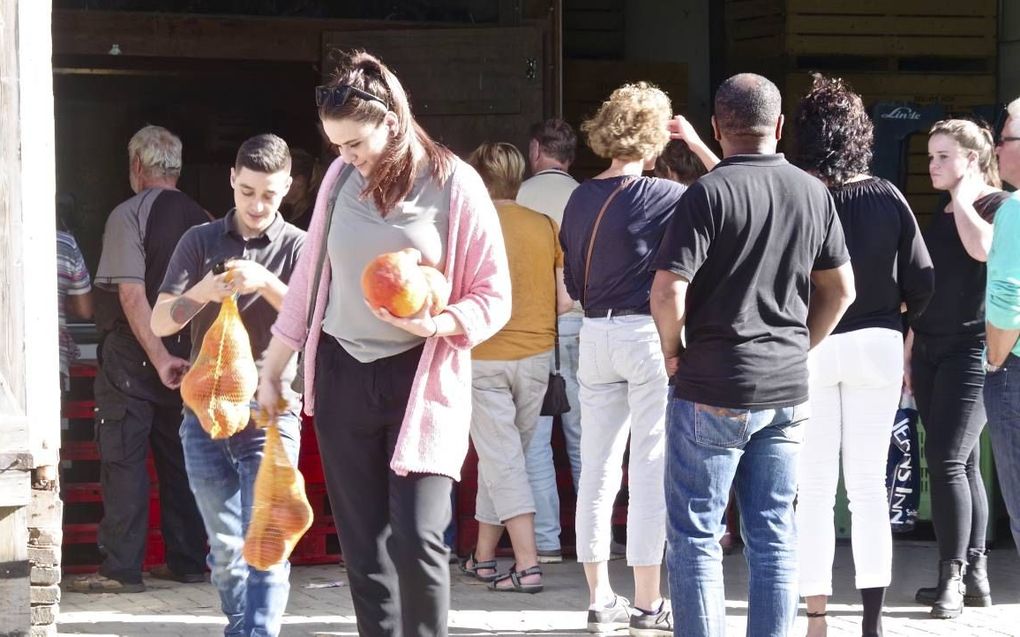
point(15, 603)
point(29, 388)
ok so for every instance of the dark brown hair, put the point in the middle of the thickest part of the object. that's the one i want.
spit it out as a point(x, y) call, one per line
point(393, 176)
point(555, 138)
point(678, 157)
point(832, 132)
point(265, 153)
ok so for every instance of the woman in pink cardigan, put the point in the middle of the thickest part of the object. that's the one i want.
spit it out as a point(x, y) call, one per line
point(391, 396)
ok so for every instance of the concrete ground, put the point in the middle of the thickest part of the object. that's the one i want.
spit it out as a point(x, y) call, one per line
point(320, 603)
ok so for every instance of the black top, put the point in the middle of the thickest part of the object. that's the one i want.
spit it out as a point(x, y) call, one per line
point(203, 247)
point(747, 236)
point(627, 238)
point(958, 306)
point(890, 261)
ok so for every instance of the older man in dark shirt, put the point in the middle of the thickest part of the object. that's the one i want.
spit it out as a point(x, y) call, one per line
point(755, 266)
point(137, 400)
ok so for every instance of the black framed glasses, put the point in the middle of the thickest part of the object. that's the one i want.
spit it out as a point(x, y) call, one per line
point(338, 95)
point(1003, 140)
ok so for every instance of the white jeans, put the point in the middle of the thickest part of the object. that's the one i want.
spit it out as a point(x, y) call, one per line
point(623, 391)
point(855, 383)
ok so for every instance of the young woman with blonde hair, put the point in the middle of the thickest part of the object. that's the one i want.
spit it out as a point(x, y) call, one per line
point(945, 361)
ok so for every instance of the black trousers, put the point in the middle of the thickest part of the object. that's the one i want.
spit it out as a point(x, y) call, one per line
point(133, 411)
point(948, 375)
point(391, 527)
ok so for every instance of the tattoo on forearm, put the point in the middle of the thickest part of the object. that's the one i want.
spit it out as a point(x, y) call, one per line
point(184, 309)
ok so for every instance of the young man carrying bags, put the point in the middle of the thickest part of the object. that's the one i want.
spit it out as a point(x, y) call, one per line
point(258, 251)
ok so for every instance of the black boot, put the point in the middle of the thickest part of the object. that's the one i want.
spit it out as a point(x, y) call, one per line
point(871, 622)
point(979, 593)
point(949, 599)
point(975, 579)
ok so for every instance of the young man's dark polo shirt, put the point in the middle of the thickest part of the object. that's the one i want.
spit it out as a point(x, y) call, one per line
point(201, 248)
point(747, 236)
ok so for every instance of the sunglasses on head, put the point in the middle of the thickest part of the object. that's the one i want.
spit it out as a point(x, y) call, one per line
point(338, 95)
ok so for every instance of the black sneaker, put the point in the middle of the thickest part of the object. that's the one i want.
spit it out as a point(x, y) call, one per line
point(644, 624)
point(609, 618)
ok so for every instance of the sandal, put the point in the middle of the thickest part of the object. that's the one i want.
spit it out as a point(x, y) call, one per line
point(516, 586)
point(476, 566)
point(96, 583)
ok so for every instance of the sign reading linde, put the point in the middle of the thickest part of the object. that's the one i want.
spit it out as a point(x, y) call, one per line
point(901, 112)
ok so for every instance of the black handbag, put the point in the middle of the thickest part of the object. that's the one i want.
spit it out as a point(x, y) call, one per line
point(555, 402)
point(298, 384)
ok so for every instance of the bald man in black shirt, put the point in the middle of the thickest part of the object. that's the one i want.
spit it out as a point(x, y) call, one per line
point(755, 267)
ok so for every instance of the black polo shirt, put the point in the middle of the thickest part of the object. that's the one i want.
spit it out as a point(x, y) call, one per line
point(747, 236)
point(201, 248)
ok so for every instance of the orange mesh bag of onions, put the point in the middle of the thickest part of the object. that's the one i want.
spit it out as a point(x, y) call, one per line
point(222, 381)
point(280, 511)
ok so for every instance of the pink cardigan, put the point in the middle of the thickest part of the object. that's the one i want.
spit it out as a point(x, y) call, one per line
point(434, 435)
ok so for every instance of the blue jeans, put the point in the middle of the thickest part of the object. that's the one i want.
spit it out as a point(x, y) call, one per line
point(222, 476)
point(756, 451)
point(1002, 404)
point(539, 455)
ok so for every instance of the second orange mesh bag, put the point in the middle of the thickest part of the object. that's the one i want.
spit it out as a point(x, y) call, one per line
point(223, 379)
point(280, 513)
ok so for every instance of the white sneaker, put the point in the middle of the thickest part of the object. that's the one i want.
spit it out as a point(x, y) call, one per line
point(609, 618)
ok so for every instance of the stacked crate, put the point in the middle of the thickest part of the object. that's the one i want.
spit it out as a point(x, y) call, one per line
point(904, 50)
point(79, 481)
point(83, 501)
point(320, 544)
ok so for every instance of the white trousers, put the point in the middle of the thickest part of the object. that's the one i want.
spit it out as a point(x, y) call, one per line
point(623, 392)
point(855, 383)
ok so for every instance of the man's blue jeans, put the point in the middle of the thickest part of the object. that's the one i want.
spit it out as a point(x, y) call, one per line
point(755, 451)
point(222, 476)
point(539, 455)
point(1002, 406)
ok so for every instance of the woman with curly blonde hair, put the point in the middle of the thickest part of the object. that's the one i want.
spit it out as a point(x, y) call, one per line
point(612, 226)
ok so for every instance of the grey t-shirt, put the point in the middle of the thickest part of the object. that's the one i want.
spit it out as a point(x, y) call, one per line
point(203, 247)
point(359, 234)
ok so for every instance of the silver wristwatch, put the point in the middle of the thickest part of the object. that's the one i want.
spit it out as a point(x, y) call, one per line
point(991, 369)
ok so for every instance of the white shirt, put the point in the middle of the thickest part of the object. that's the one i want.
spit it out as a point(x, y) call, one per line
point(547, 192)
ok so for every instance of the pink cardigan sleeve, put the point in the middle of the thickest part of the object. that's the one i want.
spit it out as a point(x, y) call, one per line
point(483, 273)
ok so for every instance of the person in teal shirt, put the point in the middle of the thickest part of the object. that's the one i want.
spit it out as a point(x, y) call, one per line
point(1002, 313)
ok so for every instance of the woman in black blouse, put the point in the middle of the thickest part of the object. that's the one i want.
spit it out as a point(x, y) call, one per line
point(946, 369)
point(856, 373)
